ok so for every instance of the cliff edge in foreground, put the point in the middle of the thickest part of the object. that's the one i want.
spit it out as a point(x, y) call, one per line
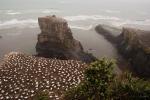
point(56, 40)
point(23, 76)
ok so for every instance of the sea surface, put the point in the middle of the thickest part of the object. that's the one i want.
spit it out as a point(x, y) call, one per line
point(19, 24)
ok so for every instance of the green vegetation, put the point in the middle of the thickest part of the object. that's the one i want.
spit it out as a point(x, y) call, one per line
point(129, 88)
point(101, 84)
point(44, 95)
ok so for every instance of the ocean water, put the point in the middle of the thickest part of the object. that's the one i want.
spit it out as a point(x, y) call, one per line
point(19, 25)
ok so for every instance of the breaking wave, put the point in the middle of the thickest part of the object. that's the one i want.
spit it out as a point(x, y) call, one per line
point(130, 22)
point(112, 11)
point(81, 27)
point(18, 12)
point(18, 23)
point(32, 23)
point(11, 12)
point(47, 11)
point(90, 17)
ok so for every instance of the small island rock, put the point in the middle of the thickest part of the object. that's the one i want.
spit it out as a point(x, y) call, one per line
point(56, 40)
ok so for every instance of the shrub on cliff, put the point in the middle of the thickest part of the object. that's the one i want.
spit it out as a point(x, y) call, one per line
point(101, 84)
point(44, 95)
point(128, 88)
point(98, 78)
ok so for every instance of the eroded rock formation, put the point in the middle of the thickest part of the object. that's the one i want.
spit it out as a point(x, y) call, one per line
point(56, 40)
point(133, 44)
point(110, 33)
point(23, 76)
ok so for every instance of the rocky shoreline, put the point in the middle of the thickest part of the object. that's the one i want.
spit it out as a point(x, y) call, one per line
point(134, 45)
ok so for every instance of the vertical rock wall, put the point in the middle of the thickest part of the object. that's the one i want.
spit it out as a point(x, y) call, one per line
point(56, 40)
point(135, 46)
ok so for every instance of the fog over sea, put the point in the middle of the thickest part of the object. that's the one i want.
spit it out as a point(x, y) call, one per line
point(19, 24)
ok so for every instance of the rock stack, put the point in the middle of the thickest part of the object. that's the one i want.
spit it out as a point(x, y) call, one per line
point(56, 40)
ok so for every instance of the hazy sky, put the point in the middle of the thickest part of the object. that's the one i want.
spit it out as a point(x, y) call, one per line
point(142, 5)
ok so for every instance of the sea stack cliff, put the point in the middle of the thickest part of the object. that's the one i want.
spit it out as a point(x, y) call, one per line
point(56, 40)
point(133, 44)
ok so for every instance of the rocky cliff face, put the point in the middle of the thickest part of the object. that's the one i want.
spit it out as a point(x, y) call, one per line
point(109, 33)
point(135, 46)
point(23, 76)
point(56, 40)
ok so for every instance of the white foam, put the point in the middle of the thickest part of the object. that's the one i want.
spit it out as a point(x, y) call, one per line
point(32, 23)
point(11, 12)
point(112, 11)
point(18, 23)
point(90, 17)
point(81, 27)
point(46, 11)
point(18, 12)
point(131, 22)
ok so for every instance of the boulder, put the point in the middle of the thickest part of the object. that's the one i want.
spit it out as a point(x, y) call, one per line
point(56, 40)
